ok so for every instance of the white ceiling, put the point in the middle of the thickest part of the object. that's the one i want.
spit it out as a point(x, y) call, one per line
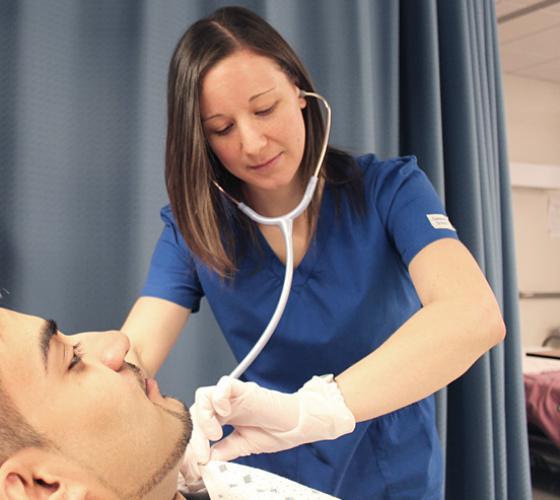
point(529, 32)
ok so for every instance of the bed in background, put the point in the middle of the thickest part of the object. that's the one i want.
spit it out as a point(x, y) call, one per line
point(541, 374)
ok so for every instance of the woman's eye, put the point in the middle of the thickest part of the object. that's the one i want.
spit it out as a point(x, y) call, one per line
point(76, 356)
point(267, 111)
point(223, 131)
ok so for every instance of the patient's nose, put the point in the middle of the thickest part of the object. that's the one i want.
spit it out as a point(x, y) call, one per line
point(115, 350)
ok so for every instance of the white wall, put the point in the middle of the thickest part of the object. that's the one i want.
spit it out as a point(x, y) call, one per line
point(533, 132)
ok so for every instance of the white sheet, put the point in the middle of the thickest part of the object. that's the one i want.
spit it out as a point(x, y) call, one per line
point(231, 481)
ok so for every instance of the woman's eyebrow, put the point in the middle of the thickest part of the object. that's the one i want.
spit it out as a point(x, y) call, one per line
point(252, 98)
point(48, 331)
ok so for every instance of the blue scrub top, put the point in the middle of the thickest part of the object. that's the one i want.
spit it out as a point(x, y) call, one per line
point(350, 292)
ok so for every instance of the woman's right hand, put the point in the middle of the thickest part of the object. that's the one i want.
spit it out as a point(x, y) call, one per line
point(267, 421)
point(196, 454)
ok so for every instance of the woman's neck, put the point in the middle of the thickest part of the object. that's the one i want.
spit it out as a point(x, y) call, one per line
point(274, 203)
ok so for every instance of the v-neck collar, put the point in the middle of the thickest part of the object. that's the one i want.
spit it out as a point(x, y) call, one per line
point(313, 252)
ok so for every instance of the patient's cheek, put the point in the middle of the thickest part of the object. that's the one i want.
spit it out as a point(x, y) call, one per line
point(102, 416)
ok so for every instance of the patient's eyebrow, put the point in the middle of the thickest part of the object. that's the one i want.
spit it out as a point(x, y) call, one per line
point(48, 331)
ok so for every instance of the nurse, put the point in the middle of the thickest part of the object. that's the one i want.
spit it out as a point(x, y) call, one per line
point(387, 306)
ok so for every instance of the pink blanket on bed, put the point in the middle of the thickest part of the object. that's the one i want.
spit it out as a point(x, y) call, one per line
point(542, 392)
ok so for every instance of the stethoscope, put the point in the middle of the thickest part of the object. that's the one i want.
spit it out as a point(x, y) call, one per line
point(285, 223)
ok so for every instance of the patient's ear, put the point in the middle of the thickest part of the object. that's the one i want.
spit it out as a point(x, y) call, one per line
point(38, 474)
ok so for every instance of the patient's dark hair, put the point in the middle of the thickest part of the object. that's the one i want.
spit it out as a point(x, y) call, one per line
point(15, 432)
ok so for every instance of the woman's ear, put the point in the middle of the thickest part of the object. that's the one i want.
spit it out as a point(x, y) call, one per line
point(301, 98)
point(39, 475)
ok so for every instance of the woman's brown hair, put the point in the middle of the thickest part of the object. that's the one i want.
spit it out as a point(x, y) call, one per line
point(204, 216)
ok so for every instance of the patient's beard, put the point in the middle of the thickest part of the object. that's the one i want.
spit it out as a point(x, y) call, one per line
point(177, 452)
point(174, 456)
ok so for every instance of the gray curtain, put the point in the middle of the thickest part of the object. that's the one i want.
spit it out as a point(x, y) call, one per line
point(82, 128)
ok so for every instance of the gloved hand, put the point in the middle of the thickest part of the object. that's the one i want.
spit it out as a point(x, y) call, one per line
point(196, 454)
point(267, 421)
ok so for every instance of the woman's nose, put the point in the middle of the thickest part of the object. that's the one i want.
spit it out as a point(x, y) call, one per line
point(252, 138)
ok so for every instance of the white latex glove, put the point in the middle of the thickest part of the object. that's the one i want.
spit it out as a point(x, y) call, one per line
point(267, 421)
point(197, 452)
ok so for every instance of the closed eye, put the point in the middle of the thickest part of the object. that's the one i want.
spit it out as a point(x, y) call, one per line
point(77, 355)
point(262, 112)
point(223, 131)
point(267, 111)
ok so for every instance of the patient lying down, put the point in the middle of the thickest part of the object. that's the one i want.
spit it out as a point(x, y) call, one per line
point(79, 422)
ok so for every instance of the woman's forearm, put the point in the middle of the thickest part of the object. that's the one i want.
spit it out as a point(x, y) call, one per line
point(433, 348)
point(153, 326)
point(460, 321)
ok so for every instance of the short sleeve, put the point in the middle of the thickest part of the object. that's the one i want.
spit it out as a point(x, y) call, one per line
point(409, 206)
point(172, 274)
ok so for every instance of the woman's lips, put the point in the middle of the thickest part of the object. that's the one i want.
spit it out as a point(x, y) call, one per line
point(267, 164)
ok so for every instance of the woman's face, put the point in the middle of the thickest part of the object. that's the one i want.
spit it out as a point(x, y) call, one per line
point(252, 118)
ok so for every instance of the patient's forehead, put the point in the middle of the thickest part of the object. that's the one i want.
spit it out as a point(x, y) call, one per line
point(3, 314)
point(8, 321)
point(18, 332)
point(4, 323)
point(20, 358)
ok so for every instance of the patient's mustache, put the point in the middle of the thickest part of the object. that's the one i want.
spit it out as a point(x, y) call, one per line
point(137, 373)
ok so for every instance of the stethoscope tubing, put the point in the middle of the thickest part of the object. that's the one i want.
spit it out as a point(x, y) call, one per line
point(285, 223)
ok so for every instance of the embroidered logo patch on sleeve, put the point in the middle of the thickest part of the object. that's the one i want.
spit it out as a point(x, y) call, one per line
point(440, 221)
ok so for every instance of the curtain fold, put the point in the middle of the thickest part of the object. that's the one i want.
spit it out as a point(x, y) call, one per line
point(452, 119)
point(82, 132)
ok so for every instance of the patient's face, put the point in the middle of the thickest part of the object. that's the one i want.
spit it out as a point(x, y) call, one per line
point(96, 410)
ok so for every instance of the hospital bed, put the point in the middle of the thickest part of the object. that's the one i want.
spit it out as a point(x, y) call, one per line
point(541, 375)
